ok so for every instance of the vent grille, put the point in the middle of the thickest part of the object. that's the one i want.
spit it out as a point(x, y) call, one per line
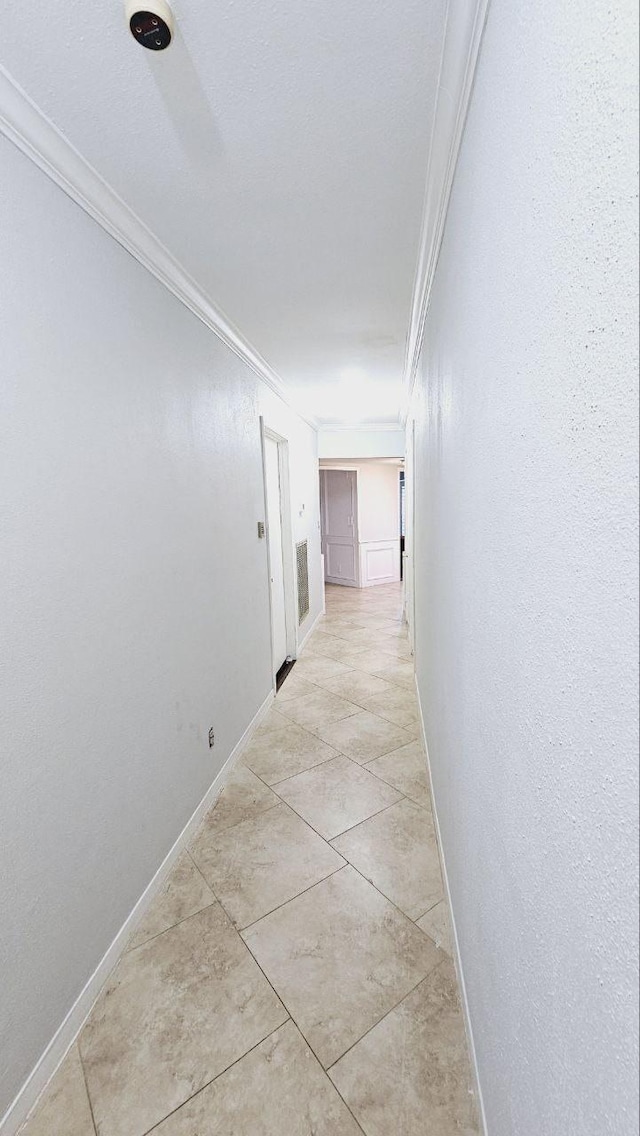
point(302, 569)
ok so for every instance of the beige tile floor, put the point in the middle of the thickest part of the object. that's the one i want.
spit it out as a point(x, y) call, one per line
point(295, 975)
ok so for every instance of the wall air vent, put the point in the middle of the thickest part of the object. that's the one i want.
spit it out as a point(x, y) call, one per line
point(302, 569)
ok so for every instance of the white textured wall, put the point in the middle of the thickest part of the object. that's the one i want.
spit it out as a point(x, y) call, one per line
point(378, 501)
point(134, 604)
point(360, 443)
point(526, 566)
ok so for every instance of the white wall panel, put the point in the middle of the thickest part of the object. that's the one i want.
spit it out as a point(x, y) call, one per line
point(526, 562)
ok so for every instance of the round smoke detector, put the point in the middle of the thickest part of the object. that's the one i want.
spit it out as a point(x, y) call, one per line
point(151, 26)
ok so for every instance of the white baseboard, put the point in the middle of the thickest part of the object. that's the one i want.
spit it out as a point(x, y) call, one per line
point(456, 948)
point(307, 635)
point(66, 1034)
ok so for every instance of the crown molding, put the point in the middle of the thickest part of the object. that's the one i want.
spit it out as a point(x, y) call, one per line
point(464, 25)
point(24, 124)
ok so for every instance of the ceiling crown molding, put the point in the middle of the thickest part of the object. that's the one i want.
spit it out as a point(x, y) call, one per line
point(22, 121)
point(464, 26)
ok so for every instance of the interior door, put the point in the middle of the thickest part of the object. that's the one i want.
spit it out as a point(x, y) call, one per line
point(339, 535)
point(276, 559)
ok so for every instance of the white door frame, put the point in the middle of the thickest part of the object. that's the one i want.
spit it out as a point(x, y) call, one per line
point(410, 529)
point(288, 550)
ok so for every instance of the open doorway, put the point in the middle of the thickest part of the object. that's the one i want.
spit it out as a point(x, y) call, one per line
point(360, 521)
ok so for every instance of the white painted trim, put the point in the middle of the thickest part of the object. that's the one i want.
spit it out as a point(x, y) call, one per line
point(391, 545)
point(288, 545)
point(307, 635)
point(456, 947)
point(464, 25)
point(24, 124)
point(67, 1032)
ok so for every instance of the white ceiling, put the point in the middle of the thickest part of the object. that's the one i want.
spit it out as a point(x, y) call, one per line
point(278, 149)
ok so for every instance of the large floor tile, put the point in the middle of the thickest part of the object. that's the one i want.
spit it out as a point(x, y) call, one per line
point(278, 1089)
point(184, 893)
point(406, 770)
point(316, 667)
point(336, 625)
point(371, 660)
point(326, 644)
point(176, 1012)
point(284, 753)
point(399, 633)
point(318, 709)
point(397, 851)
point(63, 1109)
point(397, 648)
point(340, 956)
point(354, 657)
point(357, 686)
point(363, 637)
point(273, 720)
point(336, 795)
point(410, 1074)
point(437, 924)
point(243, 796)
point(401, 673)
point(364, 736)
point(259, 864)
point(294, 686)
point(371, 621)
point(397, 705)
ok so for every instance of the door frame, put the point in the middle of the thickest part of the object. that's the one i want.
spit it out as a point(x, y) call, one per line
point(288, 550)
point(410, 528)
point(356, 520)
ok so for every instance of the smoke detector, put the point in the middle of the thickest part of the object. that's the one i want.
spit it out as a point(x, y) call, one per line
point(151, 26)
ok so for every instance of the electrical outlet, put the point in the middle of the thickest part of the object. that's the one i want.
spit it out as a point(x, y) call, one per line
point(212, 738)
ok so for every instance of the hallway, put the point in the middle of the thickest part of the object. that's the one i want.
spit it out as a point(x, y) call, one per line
point(300, 300)
point(320, 857)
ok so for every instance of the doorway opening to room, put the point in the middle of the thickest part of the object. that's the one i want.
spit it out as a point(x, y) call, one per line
point(360, 519)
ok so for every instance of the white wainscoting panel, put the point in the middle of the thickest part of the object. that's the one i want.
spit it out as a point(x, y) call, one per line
point(379, 562)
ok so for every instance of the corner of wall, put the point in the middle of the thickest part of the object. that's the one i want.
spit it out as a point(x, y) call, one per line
point(457, 959)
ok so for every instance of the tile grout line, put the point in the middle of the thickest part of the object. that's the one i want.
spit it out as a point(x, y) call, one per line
point(404, 915)
point(326, 839)
point(178, 923)
point(236, 822)
point(336, 753)
point(86, 1083)
point(202, 877)
point(218, 1075)
point(442, 900)
point(385, 1015)
point(248, 926)
point(392, 901)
